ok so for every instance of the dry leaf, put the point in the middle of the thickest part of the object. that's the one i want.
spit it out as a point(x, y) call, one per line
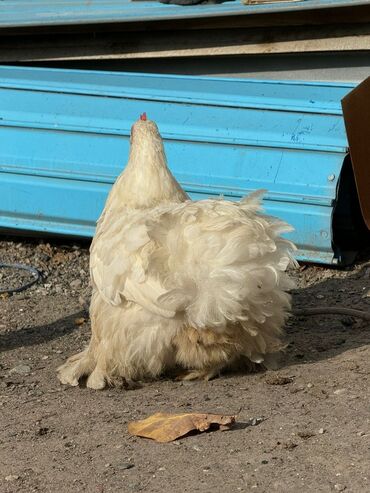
point(80, 321)
point(163, 427)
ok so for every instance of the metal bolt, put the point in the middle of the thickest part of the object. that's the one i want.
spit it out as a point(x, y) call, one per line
point(331, 177)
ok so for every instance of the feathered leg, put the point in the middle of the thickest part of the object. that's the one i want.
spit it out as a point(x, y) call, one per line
point(75, 367)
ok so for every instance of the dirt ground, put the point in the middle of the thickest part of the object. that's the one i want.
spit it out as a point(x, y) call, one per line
point(314, 436)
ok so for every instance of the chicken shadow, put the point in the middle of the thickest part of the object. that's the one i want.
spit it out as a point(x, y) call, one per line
point(313, 338)
point(309, 339)
point(32, 336)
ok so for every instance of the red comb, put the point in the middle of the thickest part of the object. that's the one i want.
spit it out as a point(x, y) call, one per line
point(143, 117)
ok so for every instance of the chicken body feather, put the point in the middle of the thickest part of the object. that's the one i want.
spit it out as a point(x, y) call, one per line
point(200, 285)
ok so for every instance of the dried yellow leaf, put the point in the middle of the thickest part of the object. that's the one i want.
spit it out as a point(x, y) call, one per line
point(80, 321)
point(163, 427)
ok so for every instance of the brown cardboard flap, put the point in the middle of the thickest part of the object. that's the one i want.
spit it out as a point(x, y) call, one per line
point(356, 111)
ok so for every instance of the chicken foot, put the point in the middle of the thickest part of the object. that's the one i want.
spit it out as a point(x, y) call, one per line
point(205, 374)
point(74, 368)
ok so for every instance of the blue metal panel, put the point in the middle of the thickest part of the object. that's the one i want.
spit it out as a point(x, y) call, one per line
point(17, 13)
point(65, 138)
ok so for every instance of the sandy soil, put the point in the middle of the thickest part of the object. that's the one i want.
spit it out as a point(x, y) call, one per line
point(315, 431)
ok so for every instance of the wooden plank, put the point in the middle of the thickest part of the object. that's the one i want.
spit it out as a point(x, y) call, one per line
point(165, 44)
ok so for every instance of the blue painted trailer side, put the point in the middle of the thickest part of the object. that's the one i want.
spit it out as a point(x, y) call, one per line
point(65, 138)
point(17, 13)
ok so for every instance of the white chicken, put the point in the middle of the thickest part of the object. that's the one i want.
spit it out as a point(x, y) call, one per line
point(195, 285)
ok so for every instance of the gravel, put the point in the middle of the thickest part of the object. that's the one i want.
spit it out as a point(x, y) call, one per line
point(312, 414)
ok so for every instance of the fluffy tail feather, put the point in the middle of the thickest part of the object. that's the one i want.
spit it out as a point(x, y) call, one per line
point(233, 268)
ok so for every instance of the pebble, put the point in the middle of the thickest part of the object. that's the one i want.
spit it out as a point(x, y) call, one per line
point(320, 296)
point(21, 369)
point(255, 421)
point(11, 477)
point(339, 391)
point(76, 283)
point(321, 431)
point(339, 487)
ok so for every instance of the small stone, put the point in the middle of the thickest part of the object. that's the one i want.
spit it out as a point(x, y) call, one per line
point(11, 477)
point(264, 461)
point(45, 357)
point(340, 487)
point(124, 465)
point(309, 385)
point(80, 321)
point(196, 448)
point(320, 296)
point(361, 433)
point(20, 369)
point(321, 431)
point(339, 391)
point(255, 421)
point(76, 283)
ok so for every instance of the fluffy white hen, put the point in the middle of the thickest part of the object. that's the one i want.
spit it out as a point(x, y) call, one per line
point(179, 284)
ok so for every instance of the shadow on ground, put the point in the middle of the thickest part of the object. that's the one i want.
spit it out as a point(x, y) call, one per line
point(31, 336)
